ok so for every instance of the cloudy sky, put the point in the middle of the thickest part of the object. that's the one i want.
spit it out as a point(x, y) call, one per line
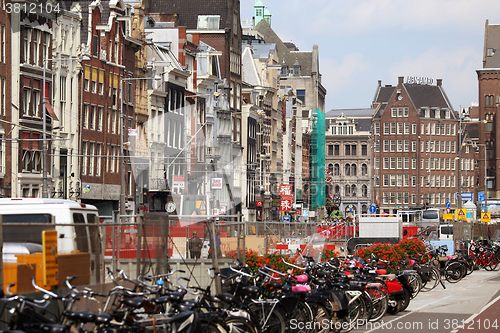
point(363, 41)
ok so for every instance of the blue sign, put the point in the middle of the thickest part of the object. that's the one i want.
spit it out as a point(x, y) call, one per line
point(305, 213)
point(373, 209)
point(467, 196)
point(448, 204)
point(286, 218)
point(480, 196)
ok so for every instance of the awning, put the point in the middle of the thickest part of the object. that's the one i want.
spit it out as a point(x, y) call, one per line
point(50, 110)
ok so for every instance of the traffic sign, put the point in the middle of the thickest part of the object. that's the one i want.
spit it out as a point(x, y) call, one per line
point(480, 196)
point(305, 213)
point(467, 196)
point(49, 258)
point(485, 217)
point(448, 216)
point(448, 204)
point(448, 210)
point(286, 218)
point(461, 214)
point(373, 209)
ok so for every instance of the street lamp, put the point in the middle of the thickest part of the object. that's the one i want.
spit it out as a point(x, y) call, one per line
point(45, 190)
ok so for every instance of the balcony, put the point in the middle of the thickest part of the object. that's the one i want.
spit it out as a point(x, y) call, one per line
point(213, 151)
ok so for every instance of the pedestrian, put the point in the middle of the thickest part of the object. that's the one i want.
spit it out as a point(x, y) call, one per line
point(195, 245)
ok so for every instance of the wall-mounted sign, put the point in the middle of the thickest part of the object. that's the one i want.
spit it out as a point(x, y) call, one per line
point(419, 80)
point(216, 183)
point(178, 181)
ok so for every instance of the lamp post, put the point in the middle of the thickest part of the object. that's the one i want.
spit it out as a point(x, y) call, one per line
point(45, 189)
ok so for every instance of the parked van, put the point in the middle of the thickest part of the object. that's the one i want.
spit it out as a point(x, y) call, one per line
point(446, 232)
point(24, 219)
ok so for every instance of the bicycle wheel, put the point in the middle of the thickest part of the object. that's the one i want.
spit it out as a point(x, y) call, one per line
point(321, 316)
point(302, 314)
point(404, 300)
point(368, 307)
point(379, 303)
point(492, 262)
point(453, 272)
point(267, 319)
point(355, 310)
point(415, 285)
point(432, 279)
point(240, 325)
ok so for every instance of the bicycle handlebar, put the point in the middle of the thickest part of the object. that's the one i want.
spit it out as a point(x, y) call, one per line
point(301, 268)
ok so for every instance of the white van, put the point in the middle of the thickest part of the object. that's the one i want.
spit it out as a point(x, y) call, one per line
point(446, 232)
point(49, 214)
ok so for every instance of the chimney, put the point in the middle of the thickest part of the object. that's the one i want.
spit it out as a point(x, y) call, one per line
point(400, 80)
point(439, 82)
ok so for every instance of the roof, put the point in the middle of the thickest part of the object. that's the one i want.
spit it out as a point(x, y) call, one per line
point(286, 56)
point(261, 51)
point(492, 41)
point(366, 112)
point(187, 11)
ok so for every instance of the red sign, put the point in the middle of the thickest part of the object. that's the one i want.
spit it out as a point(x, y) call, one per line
point(448, 210)
point(329, 179)
point(259, 203)
point(299, 212)
point(286, 190)
point(286, 205)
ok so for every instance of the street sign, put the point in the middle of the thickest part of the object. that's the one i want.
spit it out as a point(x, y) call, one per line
point(448, 217)
point(305, 213)
point(485, 217)
point(373, 209)
point(286, 218)
point(480, 196)
point(467, 196)
point(448, 210)
point(49, 258)
point(461, 214)
point(448, 204)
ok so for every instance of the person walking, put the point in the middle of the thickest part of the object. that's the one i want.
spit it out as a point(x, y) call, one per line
point(195, 245)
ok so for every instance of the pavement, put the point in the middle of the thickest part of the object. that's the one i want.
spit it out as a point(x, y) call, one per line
point(471, 305)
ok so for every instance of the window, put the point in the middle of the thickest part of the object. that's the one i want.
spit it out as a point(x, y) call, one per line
point(98, 152)
point(337, 150)
point(386, 163)
point(100, 111)
point(377, 146)
point(413, 163)
point(347, 149)
point(400, 128)
point(393, 128)
point(386, 146)
point(26, 101)
point(386, 181)
point(336, 170)
point(393, 163)
point(101, 82)
point(386, 128)
point(91, 158)
point(347, 170)
point(2, 153)
point(414, 146)
point(364, 150)
point(393, 145)
point(406, 112)
point(377, 163)
point(400, 112)
point(92, 117)
point(36, 103)
point(26, 44)
point(364, 191)
point(2, 50)
point(407, 128)
point(85, 157)
point(489, 100)
point(400, 145)
point(364, 170)
point(87, 78)
point(2, 96)
point(330, 149)
point(406, 163)
point(377, 129)
point(354, 170)
point(413, 128)
point(354, 149)
point(208, 22)
point(399, 163)
point(95, 45)
point(301, 95)
point(36, 46)
point(394, 112)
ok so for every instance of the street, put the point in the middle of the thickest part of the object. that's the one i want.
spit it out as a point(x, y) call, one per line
point(448, 310)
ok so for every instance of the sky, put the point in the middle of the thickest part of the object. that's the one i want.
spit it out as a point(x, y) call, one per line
point(363, 41)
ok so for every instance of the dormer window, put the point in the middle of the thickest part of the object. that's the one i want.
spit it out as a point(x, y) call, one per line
point(208, 22)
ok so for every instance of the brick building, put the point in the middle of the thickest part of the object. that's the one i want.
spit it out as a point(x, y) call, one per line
point(489, 102)
point(415, 132)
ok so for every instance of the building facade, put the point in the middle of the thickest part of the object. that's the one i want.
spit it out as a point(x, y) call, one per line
point(349, 159)
point(417, 159)
point(5, 101)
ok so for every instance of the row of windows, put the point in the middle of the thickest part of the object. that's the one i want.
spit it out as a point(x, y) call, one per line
point(404, 180)
point(427, 146)
point(342, 129)
point(403, 128)
point(35, 46)
point(93, 152)
point(351, 191)
point(406, 198)
point(351, 150)
point(349, 169)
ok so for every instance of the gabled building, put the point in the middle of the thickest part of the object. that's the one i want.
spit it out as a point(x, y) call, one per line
point(417, 160)
point(31, 39)
point(218, 25)
point(489, 101)
point(5, 103)
point(349, 159)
